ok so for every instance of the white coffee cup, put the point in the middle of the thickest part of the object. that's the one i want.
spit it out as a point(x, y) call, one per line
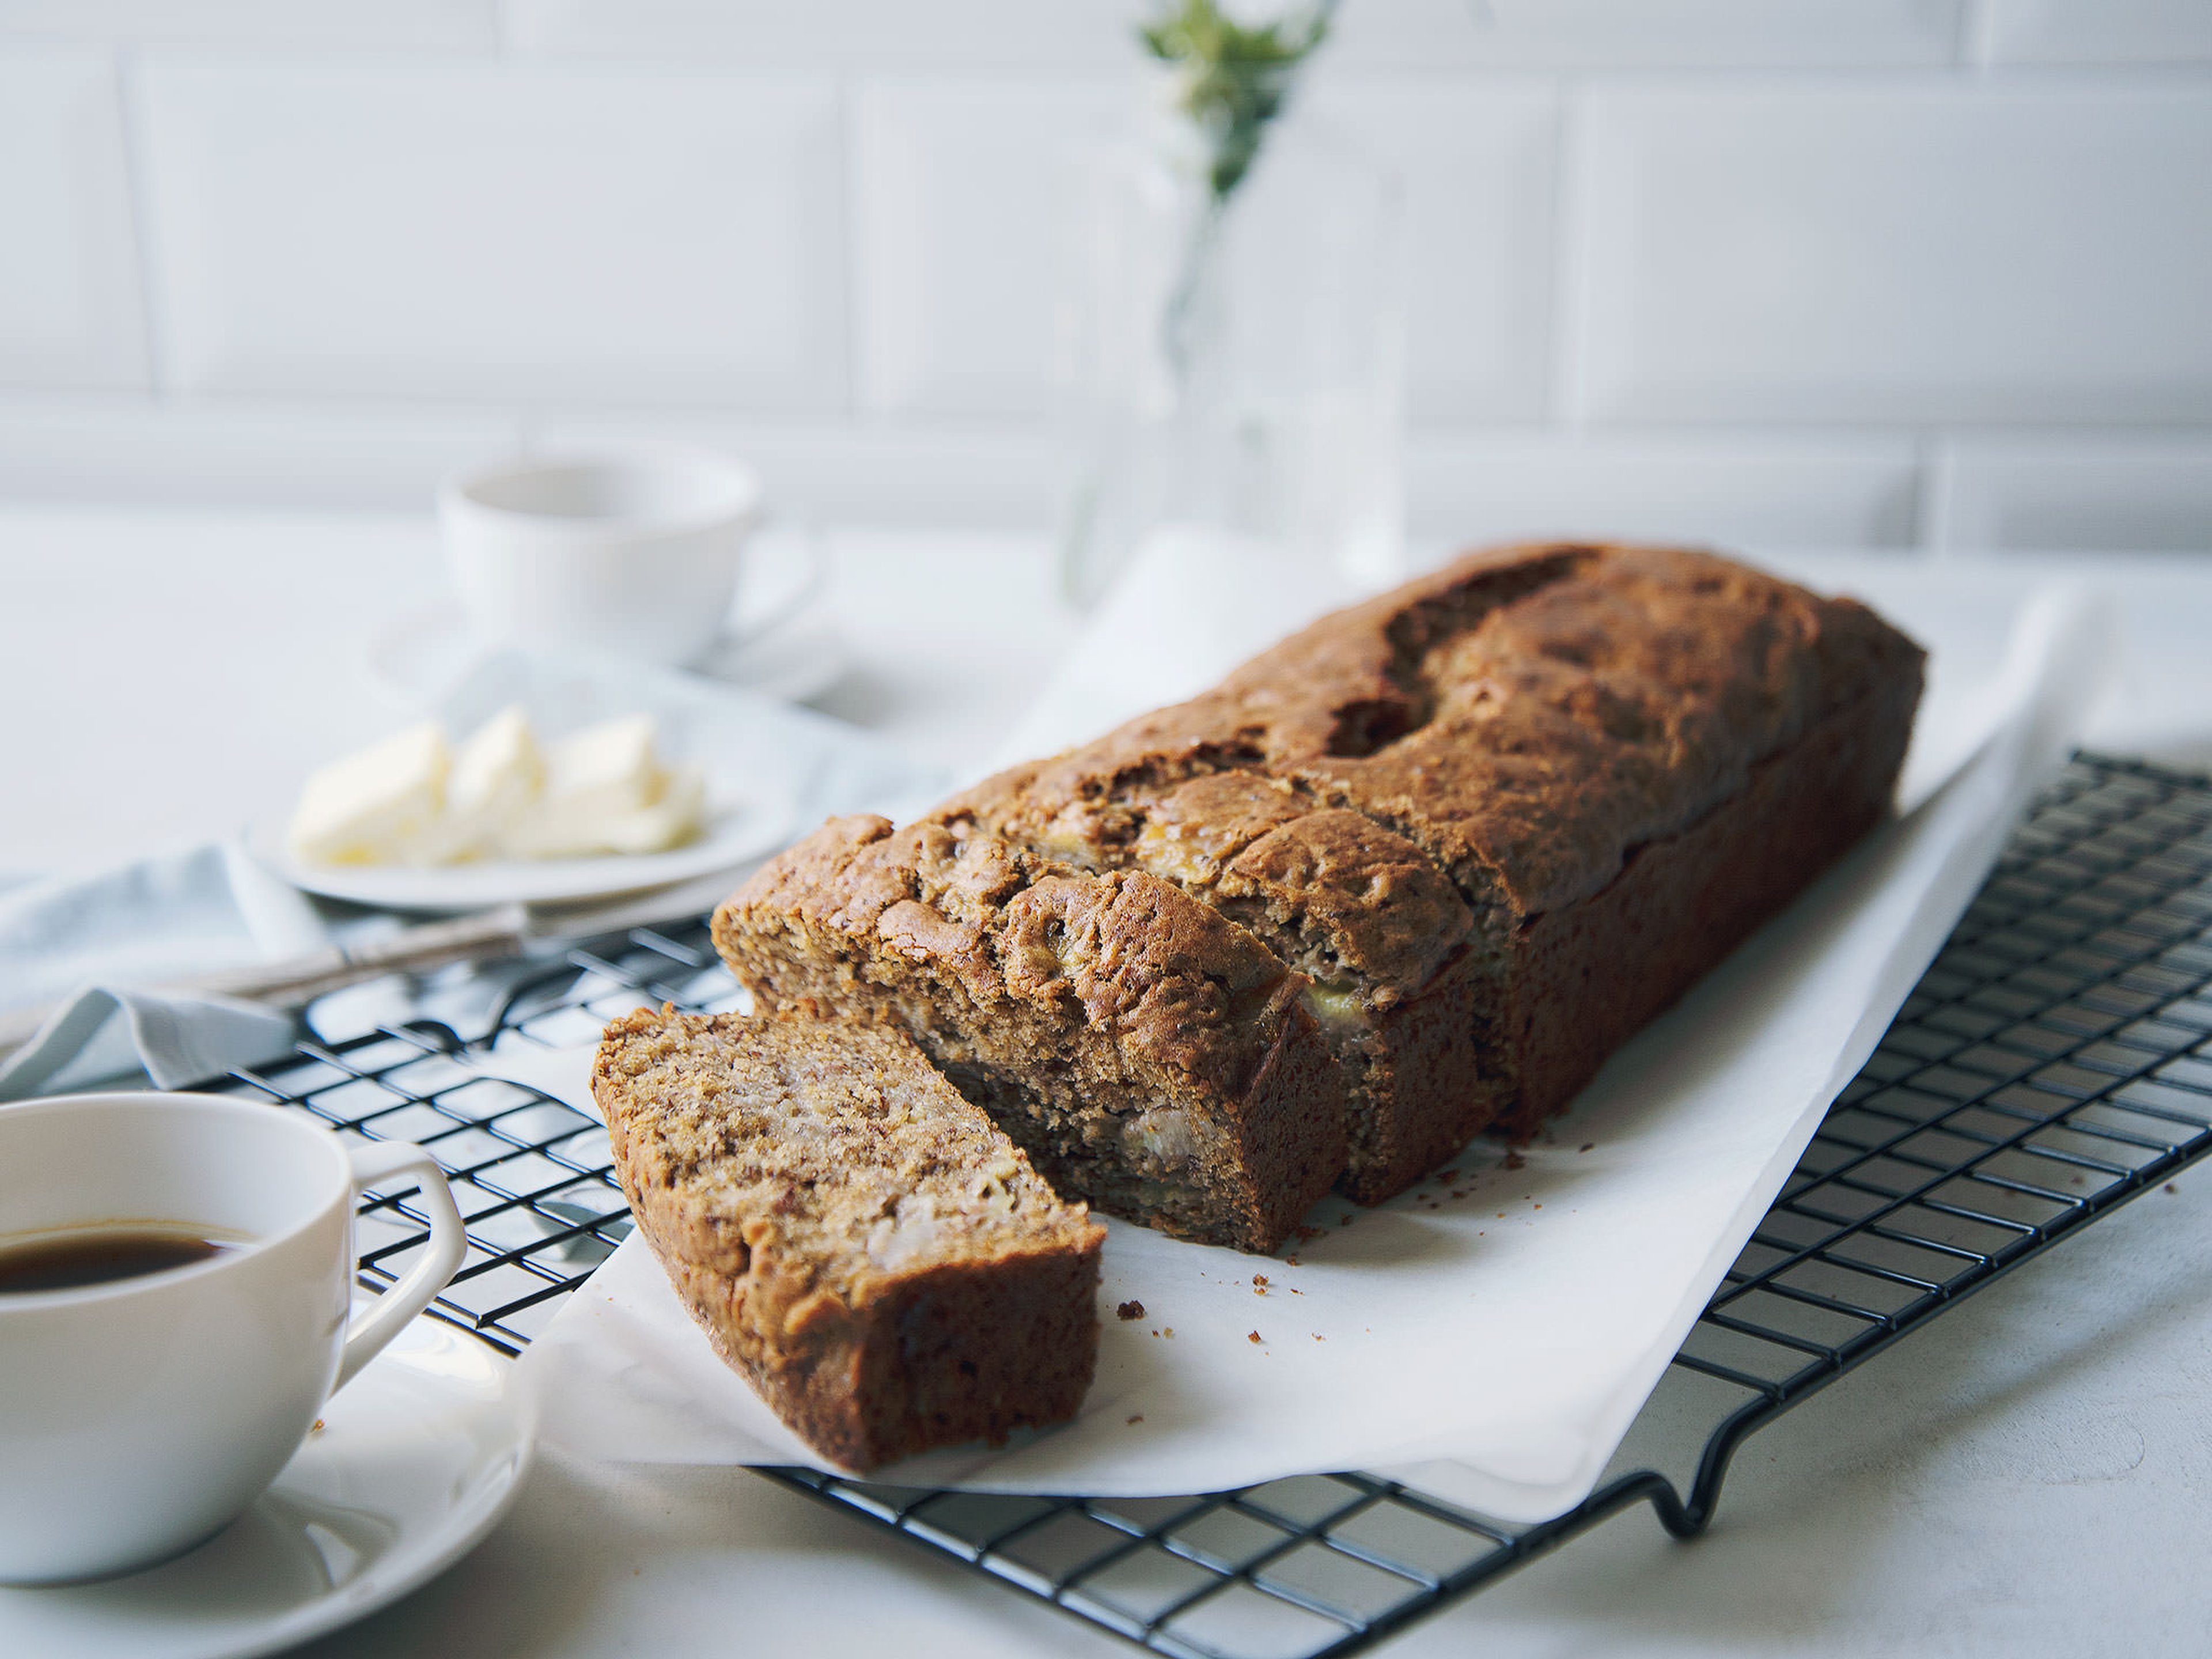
point(139, 1416)
point(636, 554)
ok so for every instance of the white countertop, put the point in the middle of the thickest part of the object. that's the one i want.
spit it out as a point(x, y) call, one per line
point(2027, 1476)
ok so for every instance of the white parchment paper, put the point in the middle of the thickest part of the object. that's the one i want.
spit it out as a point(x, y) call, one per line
point(1498, 1327)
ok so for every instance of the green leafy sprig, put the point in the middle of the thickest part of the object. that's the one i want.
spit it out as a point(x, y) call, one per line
point(1232, 80)
point(1233, 77)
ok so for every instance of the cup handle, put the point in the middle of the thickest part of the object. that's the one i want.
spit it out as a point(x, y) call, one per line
point(367, 1336)
point(808, 589)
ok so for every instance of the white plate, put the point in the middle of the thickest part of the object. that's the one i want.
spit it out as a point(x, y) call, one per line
point(735, 834)
point(417, 1461)
point(773, 771)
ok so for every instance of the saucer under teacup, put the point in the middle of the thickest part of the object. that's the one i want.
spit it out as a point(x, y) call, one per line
point(415, 1461)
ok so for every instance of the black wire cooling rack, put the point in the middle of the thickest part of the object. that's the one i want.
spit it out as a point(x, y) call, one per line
point(2053, 1063)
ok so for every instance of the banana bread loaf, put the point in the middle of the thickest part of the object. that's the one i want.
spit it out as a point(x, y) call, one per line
point(1618, 761)
point(1483, 828)
point(1149, 1055)
point(855, 1237)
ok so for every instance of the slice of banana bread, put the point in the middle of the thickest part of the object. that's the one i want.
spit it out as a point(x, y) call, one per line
point(857, 1239)
point(1379, 932)
point(1149, 1054)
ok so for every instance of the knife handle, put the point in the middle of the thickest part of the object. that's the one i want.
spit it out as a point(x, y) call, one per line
point(298, 981)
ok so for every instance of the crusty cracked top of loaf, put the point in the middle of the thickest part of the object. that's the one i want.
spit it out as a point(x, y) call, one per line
point(1330, 890)
point(1171, 979)
point(1526, 715)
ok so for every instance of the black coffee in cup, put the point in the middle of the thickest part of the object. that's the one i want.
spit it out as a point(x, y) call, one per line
point(71, 1257)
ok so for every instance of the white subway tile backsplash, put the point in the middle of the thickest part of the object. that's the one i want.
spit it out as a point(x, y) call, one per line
point(1642, 235)
point(2053, 32)
point(1729, 489)
point(2083, 493)
point(1476, 160)
point(1429, 35)
point(482, 231)
point(959, 194)
point(435, 25)
point(69, 310)
point(114, 450)
point(1915, 252)
point(955, 36)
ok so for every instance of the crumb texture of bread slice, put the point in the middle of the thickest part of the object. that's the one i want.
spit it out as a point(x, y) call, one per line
point(856, 1238)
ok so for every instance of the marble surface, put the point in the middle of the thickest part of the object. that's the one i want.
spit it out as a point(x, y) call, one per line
point(2026, 1476)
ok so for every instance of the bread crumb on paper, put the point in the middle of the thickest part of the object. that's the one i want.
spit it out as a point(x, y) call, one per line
point(1130, 1310)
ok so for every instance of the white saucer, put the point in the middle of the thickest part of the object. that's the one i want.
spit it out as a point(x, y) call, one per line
point(415, 1461)
point(425, 654)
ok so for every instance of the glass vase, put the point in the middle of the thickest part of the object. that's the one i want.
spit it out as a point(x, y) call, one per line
point(1234, 367)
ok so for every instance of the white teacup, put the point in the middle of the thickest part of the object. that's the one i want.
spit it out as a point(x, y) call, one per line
point(634, 555)
point(139, 1416)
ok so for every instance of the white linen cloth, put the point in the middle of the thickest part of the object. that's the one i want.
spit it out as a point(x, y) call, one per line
point(92, 944)
point(1495, 1330)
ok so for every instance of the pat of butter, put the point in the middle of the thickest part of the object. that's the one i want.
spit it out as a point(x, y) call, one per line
point(497, 777)
point(670, 820)
point(607, 767)
point(607, 792)
point(411, 800)
point(384, 805)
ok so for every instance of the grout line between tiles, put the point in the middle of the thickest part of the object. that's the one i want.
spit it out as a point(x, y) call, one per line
point(1977, 30)
point(137, 187)
point(1938, 497)
point(850, 297)
point(1932, 529)
point(1566, 403)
